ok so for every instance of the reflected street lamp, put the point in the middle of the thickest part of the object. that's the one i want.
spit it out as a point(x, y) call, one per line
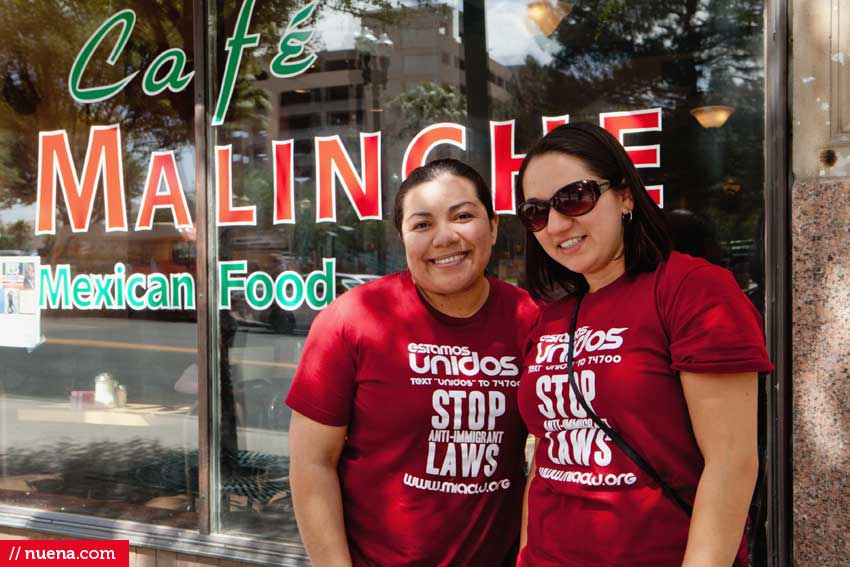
point(712, 116)
point(374, 54)
point(548, 15)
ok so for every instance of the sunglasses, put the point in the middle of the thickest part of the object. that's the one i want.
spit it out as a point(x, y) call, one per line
point(573, 200)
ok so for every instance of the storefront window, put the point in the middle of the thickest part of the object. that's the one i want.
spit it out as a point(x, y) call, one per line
point(98, 405)
point(310, 136)
point(680, 83)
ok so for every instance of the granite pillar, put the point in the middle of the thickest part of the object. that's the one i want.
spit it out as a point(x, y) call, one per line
point(820, 272)
point(821, 372)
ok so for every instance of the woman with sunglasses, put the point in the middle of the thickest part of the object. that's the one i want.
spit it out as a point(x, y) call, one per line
point(640, 383)
point(406, 441)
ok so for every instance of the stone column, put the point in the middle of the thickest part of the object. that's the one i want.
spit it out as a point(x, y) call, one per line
point(820, 240)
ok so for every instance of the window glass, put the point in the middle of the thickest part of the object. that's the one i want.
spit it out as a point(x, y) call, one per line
point(98, 386)
point(682, 83)
point(98, 290)
point(661, 75)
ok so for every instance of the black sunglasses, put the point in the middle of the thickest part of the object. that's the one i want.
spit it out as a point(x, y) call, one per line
point(573, 200)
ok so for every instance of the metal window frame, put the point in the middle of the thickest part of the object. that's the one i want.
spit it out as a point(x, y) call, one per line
point(777, 284)
point(206, 322)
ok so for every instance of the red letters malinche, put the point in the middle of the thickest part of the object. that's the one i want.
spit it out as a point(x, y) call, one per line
point(58, 177)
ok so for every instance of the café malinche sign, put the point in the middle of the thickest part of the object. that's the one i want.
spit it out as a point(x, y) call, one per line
point(102, 171)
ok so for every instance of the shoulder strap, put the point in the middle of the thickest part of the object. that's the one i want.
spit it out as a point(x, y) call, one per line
point(613, 435)
point(616, 437)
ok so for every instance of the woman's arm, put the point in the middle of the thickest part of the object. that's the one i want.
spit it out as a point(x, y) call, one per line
point(532, 469)
point(723, 410)
point(314, 451)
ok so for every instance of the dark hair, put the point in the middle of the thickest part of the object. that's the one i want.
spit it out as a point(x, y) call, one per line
point(435, 169)
point(646, 236)
point(694, 235)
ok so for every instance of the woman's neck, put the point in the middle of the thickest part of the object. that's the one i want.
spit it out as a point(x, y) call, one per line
point(461, 304)
point(601, 278)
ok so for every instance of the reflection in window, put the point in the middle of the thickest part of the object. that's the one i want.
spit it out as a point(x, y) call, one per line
point(339, 118)
point(630, 57)
point(101, 418)
point(303, 146)
point(300, 96)
point(420, 64)
point(300, 122)
point(339, 64)
point(341, 92)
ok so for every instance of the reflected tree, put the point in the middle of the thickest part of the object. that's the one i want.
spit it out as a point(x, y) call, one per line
point(34, 69)
point(17, 235)
point(673, 54)
point(41, 42)
point(428, 103)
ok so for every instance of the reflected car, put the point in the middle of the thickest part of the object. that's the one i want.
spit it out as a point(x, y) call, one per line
point(345, 282)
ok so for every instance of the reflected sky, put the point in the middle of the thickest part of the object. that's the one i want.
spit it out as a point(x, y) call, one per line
point(505, 19)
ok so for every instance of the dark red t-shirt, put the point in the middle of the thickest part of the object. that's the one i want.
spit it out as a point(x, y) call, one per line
point(431, 471)
point(589, 504)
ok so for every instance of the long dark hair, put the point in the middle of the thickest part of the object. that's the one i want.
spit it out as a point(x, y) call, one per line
point(435, 169)
point(646, 236)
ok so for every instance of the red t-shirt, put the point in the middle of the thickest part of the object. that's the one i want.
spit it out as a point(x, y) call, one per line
point(589, 504)
point(431, 472)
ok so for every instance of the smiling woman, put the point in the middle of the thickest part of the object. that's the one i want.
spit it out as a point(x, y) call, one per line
point(675, 385)
point(448, 228)
point(588, 241)
point(383, 433)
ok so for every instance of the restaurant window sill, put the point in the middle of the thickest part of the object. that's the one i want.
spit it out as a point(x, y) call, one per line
point(156, 537)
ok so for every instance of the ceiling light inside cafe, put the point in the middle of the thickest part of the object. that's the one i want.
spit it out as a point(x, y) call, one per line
point(712, 116)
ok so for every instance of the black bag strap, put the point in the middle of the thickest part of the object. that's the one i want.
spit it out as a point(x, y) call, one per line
point(616, 437)
point(613, 435)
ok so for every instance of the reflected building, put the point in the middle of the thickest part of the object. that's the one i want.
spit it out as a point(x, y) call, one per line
point(355, 90)
point(364, 88)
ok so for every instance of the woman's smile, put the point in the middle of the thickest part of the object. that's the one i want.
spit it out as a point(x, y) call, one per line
point(449, 261)
point(572, 244)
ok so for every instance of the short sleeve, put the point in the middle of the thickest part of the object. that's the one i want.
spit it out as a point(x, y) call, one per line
point(713, 327)
point(324, 383)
